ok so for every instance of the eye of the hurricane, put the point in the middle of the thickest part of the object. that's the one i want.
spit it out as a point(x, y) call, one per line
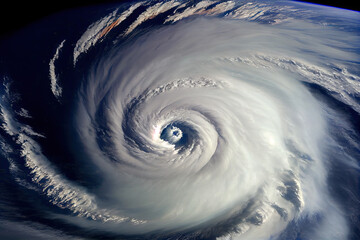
point(171, 134)
point(176, 134)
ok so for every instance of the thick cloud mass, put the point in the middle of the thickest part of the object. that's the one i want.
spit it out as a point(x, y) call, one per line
point(179, 120)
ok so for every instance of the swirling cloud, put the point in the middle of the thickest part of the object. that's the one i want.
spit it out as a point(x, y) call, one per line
point(216, 120)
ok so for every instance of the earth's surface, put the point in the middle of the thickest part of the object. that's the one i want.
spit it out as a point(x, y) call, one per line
point(182, 120)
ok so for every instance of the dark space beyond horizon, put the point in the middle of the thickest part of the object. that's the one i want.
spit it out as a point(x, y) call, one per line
point(16, 16)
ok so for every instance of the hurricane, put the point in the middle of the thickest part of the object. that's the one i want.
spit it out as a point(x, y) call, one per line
point(182, 120)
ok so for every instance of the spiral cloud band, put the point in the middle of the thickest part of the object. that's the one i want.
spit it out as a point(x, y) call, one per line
point(227, 120)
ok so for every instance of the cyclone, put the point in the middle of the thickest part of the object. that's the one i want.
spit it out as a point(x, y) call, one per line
point(187, 120)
